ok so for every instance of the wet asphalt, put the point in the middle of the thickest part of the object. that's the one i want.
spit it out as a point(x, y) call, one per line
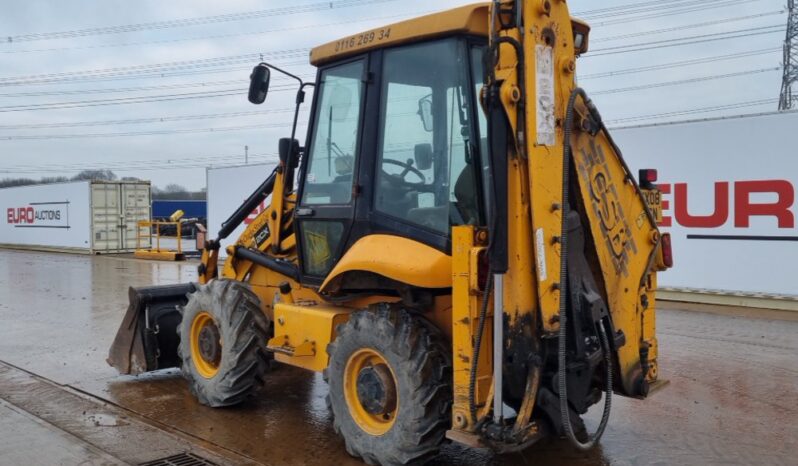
point(732, 396)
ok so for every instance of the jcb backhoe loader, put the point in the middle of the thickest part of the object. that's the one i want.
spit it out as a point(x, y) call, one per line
point(465, 254)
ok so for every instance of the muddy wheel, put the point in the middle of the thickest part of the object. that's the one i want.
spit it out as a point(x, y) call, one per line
point(223, 343)
point(390, 376)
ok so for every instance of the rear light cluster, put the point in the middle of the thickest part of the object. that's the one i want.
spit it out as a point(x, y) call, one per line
point(647, 178)
point(667, 251)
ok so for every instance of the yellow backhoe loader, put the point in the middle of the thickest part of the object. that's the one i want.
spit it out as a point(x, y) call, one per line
point(464, 254)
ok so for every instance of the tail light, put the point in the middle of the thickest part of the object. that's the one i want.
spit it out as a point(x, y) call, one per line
point(667, 251)
point(647, 178)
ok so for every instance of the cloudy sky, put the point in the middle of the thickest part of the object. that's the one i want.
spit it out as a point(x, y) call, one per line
point(156, 89)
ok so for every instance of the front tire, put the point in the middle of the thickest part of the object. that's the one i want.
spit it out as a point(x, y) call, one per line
point(390, 378)
point(223, 338)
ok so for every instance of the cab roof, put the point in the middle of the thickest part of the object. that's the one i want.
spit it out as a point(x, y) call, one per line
point(470, 19)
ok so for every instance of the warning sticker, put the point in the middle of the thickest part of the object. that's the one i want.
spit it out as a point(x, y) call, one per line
point(544, 95)
point(541, 254)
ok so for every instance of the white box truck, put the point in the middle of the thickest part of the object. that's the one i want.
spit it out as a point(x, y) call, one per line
point(83, 216)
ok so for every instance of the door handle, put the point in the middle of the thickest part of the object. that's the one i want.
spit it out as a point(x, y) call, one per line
point(304, 212)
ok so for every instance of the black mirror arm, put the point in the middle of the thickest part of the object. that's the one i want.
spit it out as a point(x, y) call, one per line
point(280, 70)
point(300, 97)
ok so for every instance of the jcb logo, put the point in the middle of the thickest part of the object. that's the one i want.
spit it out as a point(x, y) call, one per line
point(592, 164)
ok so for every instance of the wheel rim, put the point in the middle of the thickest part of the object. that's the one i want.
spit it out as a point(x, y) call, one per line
point(370, 391)
point(206, 345)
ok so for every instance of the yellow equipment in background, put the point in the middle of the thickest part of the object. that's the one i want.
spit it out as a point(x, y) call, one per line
point(466, 255)
point(155, 252)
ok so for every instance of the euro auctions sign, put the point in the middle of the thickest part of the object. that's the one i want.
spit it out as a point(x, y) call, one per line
point(39, 215)
point(728, 197)
point(735, 203)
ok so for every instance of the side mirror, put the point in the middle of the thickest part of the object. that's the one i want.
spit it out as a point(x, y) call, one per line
point(289, 152)
point(259, 84)
point(425, 112)
point(423, 155)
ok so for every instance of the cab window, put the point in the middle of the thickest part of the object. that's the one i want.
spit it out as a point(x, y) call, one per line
point(333, 151)
point(426, 172)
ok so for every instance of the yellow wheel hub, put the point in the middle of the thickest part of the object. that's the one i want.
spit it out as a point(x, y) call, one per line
point(206, 345)
point(370, 390)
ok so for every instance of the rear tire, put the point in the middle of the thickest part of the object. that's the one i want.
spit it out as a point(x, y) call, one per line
point(223, 338)
point(400, 346)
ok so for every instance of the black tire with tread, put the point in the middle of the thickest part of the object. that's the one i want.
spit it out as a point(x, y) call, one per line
point(244, 331)
point(421, 361)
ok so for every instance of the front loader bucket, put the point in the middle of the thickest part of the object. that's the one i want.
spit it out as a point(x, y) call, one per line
point(147, 339)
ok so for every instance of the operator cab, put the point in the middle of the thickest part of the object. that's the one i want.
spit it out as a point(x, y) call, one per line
point(397, 140)
point(393, 148)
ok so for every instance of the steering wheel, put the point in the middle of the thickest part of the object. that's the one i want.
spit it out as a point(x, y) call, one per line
point(408, 168)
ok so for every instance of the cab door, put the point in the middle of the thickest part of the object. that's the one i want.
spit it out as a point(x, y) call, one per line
point(327, 186)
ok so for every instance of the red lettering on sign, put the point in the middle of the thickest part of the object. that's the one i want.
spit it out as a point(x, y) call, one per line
point(744, 209)
point(719, 215)
point(254, 214)
point(10, 215)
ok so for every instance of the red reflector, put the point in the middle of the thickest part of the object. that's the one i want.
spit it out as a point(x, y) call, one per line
point(667, 252)
point(648, 175)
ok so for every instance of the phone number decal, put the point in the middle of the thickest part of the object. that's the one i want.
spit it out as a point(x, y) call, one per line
point(362, 39)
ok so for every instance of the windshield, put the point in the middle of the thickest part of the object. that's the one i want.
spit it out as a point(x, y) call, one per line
point(335, 134)
point(426, 170)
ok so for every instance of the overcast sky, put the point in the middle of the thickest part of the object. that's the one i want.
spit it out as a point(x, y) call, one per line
point(82, 71)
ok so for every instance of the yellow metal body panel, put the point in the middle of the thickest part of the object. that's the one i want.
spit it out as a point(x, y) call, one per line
point(467, 301)
point(469, 19)
point(163, 255)
point(302, 332)
point(397, 258)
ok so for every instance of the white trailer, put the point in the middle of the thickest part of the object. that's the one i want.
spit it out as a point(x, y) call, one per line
point(729, 202)
point(84, 216)
point(228, 188)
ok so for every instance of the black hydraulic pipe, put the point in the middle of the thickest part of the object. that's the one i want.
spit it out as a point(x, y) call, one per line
point(280, 266)
point(248, 206)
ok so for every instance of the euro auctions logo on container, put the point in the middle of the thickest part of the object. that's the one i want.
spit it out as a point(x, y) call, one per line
point(39, 215)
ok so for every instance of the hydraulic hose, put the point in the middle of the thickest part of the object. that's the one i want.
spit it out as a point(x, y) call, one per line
point(565, 417)
point(472, 376)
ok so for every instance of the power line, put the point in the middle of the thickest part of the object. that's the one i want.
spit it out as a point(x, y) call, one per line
point(143, 168)
point(156, 25)
point(734, 106)
point(683, 41)
point(151, 68)
point(163, 161)
point(122, 101)
point(144, 133)
point(219, 36)
point(140, 88)
point(625, 7)
point(685, 27)
point(671, 13)
point(164, 119)
point(683, 81)
point(678, 64)
point(627, 10)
